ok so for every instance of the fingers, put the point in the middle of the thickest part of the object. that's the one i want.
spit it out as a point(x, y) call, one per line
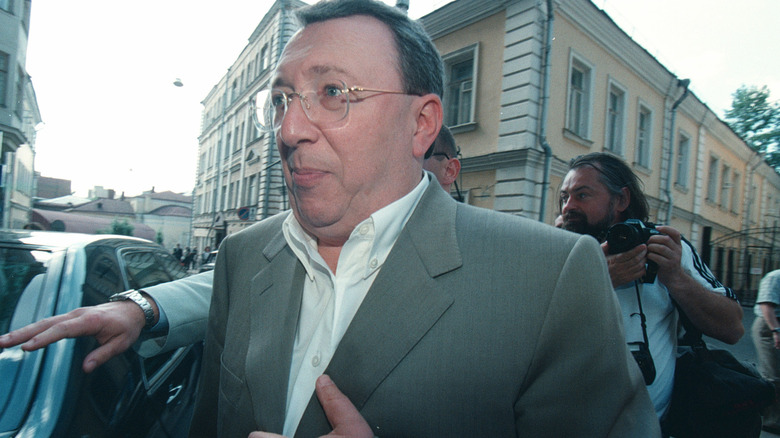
point(116, 326)
point(627, 266)
point(342, 414)
point(114, 347)
point(38, 334)
point(671, 232)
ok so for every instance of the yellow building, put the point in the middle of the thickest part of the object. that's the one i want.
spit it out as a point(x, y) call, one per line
point(530, 84)
point(527, 90)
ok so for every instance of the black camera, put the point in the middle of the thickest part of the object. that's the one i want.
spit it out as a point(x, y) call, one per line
point(624, 236)
point(644, 359)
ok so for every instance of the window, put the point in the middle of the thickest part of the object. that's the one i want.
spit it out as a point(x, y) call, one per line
point(725, 186)
point(578, 108)
point(644, 140)
point(20, 92)
point(616, 116)
point(7, 5)
point(712, 180)
point(683, 160)
point(3, 77)
point(143, 269)
point(252, 191)
point(735, 177)
point(459, 93)
point(264, 58)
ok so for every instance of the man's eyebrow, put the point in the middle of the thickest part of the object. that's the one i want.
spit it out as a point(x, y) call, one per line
point(315, 70)
point(577, 189)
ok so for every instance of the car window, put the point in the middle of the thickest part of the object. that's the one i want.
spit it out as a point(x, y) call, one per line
point(104, 277)
point(21, 270)
point(143, 269)
point(173, 266)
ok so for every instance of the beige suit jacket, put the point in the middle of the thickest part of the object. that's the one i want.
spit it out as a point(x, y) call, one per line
point(479, 324)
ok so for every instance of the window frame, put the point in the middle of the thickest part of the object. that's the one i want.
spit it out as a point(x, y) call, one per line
point(682, 180)
point(725, 186)
point(713, 172)
point(644, 154)
point(5, 69)
point(585, 108)
point(735, 182)
point(615, 118)
point(452, 59)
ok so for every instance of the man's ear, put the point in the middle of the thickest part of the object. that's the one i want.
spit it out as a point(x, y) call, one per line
point(452, 170)
point(624, 200)
point(429, 120)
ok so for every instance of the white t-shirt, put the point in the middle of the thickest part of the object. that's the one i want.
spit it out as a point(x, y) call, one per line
point(662, 322)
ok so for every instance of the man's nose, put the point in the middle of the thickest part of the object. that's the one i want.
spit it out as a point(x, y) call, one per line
point(566, 206)
point(295, 125)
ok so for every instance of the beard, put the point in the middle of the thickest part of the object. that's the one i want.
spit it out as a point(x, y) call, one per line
point(578, 223)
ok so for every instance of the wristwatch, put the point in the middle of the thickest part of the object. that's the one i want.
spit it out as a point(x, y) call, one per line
point(143, 303)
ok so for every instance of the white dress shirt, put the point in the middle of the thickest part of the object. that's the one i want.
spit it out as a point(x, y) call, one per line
point(330, 300)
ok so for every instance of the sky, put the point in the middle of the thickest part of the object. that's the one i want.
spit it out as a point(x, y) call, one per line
point(103, 73)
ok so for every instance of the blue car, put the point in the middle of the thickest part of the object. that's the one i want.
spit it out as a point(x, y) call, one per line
point(45, 393)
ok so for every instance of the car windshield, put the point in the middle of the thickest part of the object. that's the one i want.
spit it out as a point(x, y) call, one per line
point(21, 271)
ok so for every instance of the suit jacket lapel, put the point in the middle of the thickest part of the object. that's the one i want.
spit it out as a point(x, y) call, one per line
point(401, 306)
point(276, 291)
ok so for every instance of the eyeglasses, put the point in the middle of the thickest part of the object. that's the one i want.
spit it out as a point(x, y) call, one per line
point(327, 104)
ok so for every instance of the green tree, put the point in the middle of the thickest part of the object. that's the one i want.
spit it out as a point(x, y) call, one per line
point(123, 228)
point(755, 118)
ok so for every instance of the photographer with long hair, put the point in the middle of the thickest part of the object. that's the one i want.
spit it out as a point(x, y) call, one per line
point(651, 268)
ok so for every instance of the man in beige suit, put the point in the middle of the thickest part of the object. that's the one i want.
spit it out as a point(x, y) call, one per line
point(434, 318)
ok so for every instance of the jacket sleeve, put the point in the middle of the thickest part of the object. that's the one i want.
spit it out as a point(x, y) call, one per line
point(186, 306)
point(582, 365)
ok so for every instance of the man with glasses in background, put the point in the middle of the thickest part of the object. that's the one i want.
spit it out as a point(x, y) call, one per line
point(442, 160)
point(433, 317)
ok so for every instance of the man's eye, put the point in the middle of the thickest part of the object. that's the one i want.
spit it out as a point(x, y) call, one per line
point(332, 91)
point(277, 100)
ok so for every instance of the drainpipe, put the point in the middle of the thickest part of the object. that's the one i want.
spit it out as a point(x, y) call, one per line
point(668, 189)
point(543, 118)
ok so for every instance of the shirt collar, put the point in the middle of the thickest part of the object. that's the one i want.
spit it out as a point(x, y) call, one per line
point(387, 223)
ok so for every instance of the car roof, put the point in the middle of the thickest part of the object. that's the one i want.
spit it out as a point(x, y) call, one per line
point(59, 240)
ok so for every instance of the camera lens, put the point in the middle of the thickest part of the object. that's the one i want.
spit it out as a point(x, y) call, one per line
point(622, 237)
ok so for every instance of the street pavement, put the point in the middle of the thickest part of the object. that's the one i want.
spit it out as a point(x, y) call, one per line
point(744, 349)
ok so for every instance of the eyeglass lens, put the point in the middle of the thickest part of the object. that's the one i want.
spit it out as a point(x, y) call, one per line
point(327, 103)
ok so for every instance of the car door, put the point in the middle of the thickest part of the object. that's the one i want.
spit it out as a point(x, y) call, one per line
point(131, 396)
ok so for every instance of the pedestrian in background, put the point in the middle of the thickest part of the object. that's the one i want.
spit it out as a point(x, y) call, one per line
point(177, 252)
point(766, 338)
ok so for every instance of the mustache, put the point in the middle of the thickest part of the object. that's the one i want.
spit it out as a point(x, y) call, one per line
point(574, 215)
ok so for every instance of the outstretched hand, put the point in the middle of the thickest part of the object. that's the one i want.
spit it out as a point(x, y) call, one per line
point(116, 326)
point(342, 414)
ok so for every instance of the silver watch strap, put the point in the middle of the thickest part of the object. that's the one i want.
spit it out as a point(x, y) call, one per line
point(136, 297)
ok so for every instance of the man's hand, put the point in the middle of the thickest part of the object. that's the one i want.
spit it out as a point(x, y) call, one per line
point(344, 418)
point(627, 266)
point(665, 249)
point(116, 326)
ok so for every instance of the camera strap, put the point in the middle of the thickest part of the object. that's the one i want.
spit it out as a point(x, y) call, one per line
point(642, 317)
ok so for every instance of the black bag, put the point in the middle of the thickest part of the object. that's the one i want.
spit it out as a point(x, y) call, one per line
point(715, 394)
